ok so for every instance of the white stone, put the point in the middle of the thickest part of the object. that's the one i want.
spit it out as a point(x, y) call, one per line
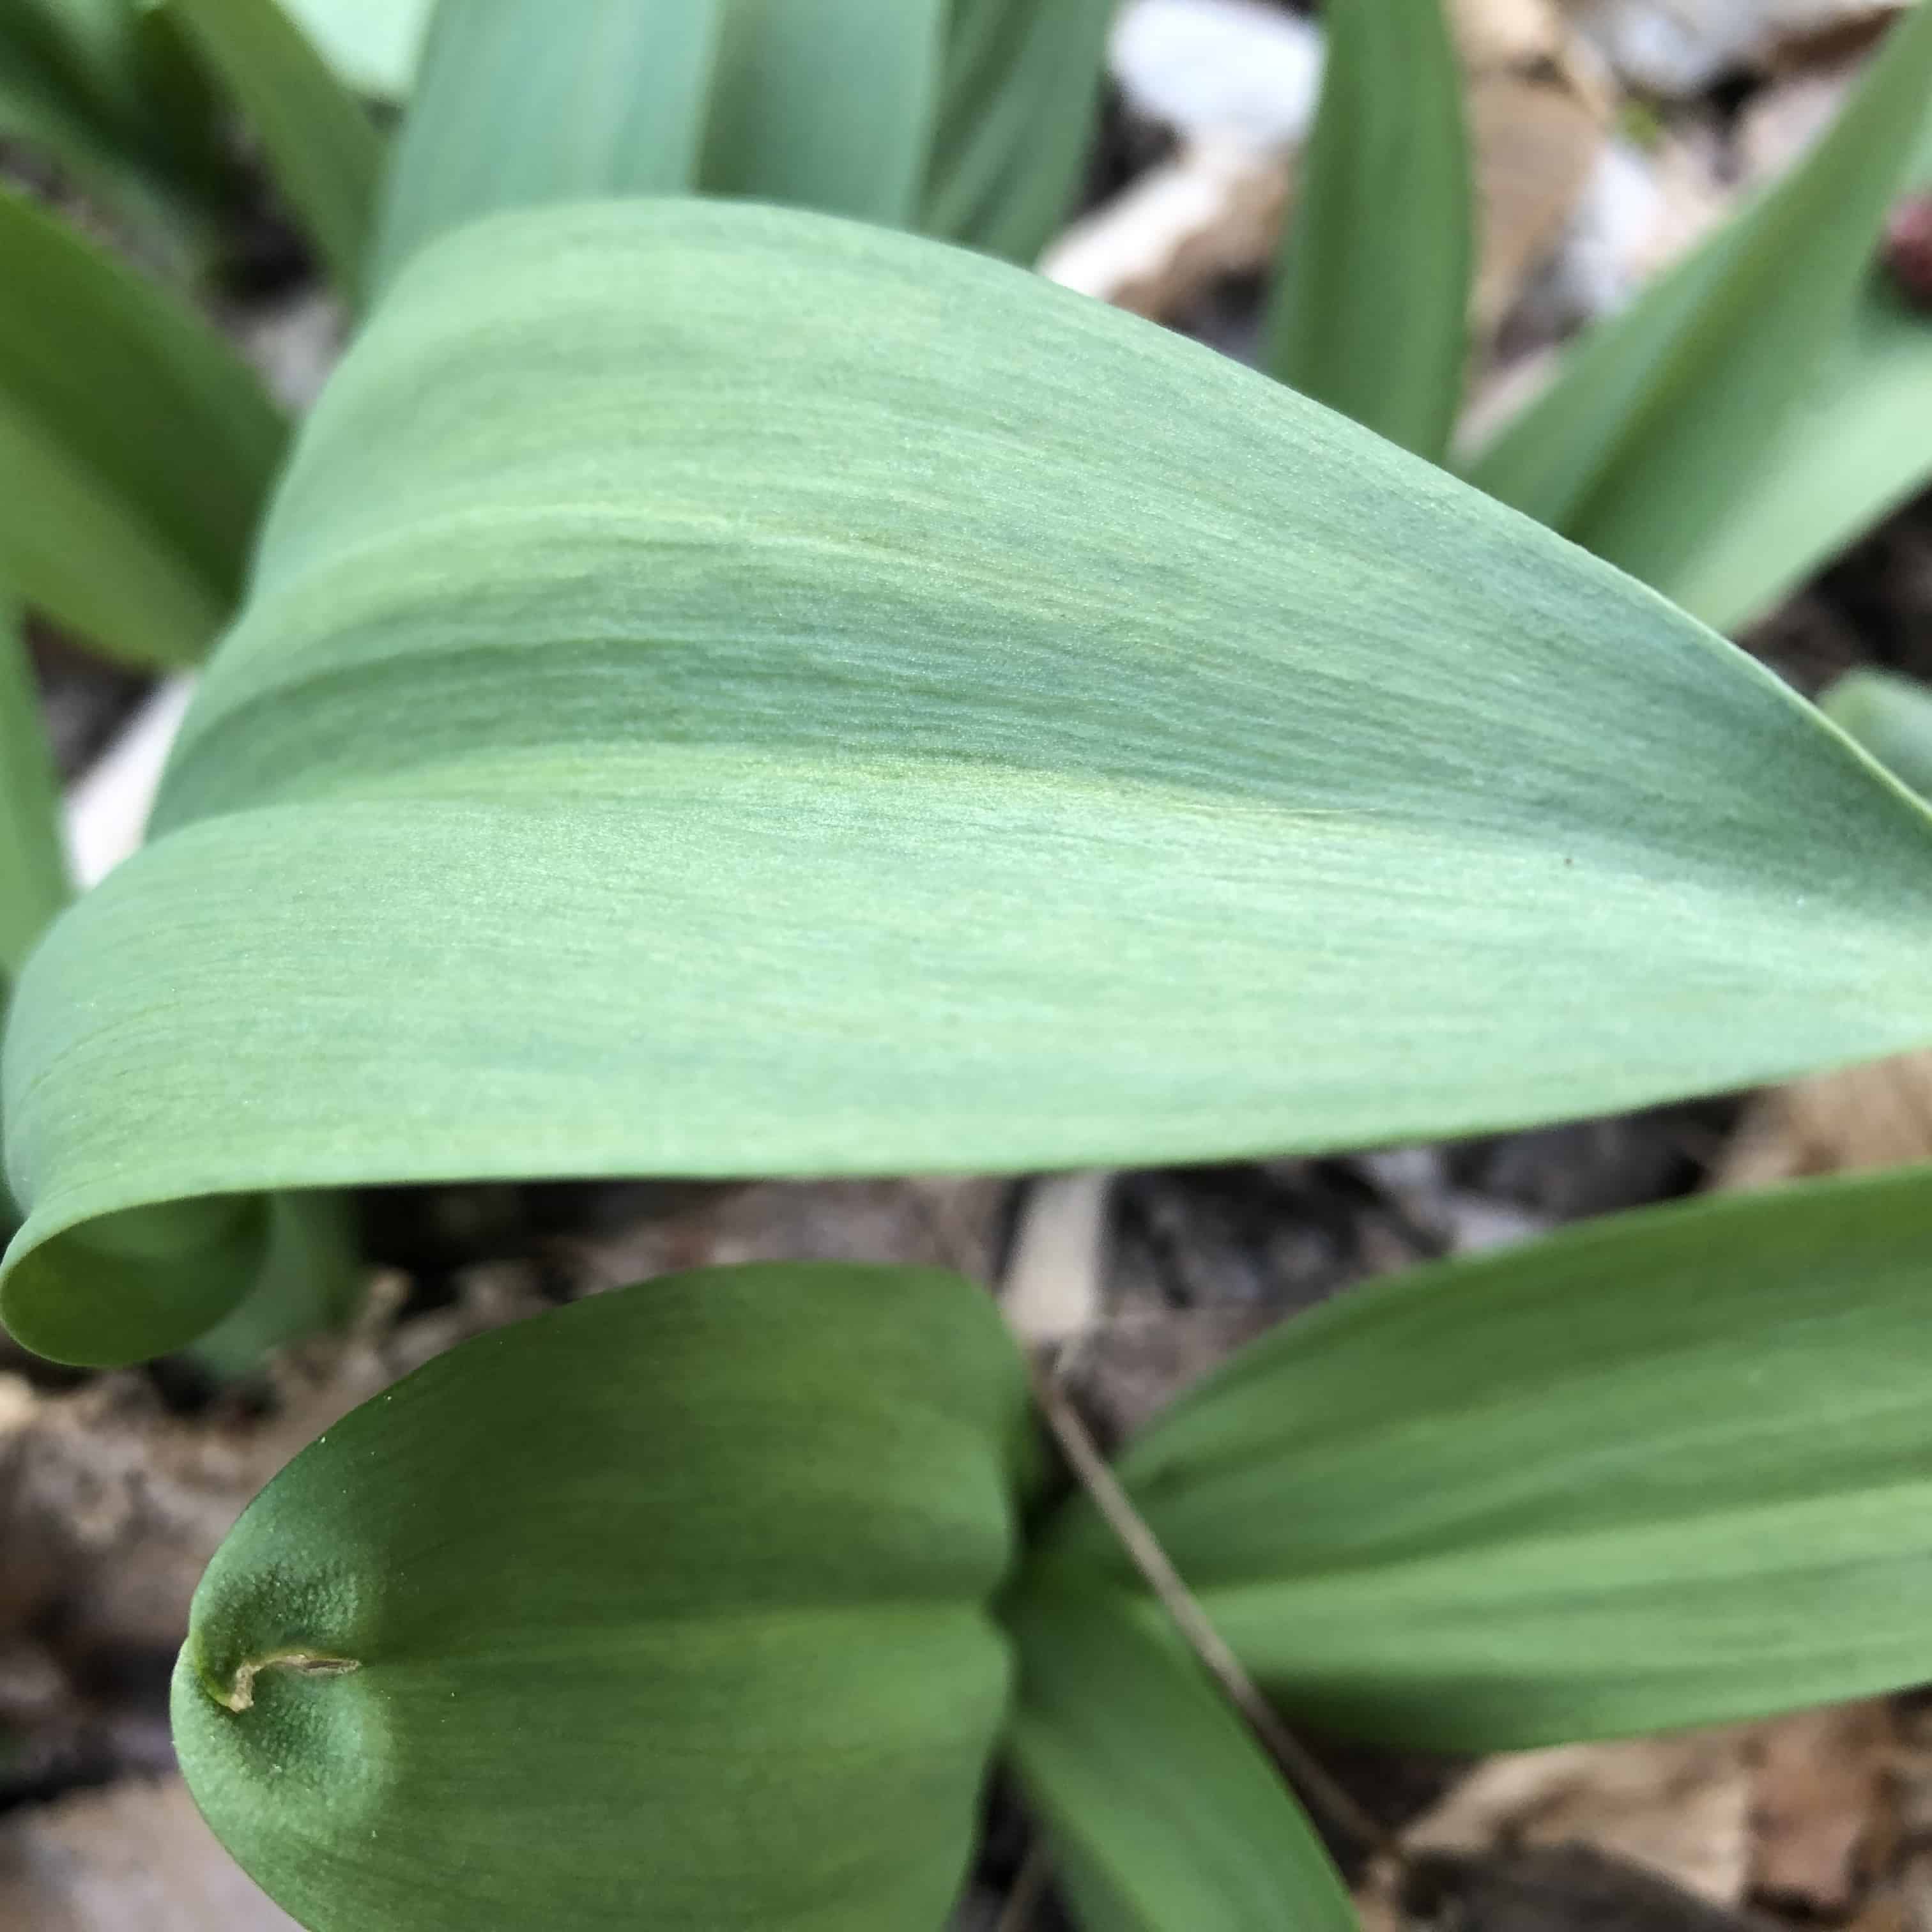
point(1229, 70)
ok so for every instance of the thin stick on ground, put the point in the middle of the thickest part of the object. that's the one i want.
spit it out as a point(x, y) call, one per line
point(1083, 1457)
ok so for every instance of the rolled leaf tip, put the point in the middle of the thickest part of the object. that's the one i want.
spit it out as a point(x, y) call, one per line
point(237, 1694)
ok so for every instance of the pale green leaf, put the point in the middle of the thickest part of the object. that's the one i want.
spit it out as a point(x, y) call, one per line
point(33, 866)
point(1891, 717)
point(1672, 1468)
point(1020, 90)
point(375, 45)
point(826, 104)
point(677, 731)
point(518, 103)
point(1162, 1813)
point(669, 1609)
point(321, 145)
point(1667, 418)
point(1371, 306)
point(138, 448)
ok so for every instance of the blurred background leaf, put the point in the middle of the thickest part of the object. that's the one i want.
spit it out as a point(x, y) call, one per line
point(33, 867)
point(322, 147)
point(1020, 93)
point(1890, 717)
point(139, 447)
point(517, 103)
point(826, 104)
point(1857, 445)
point(104, 88)
point(1372, 292)
point(1644, 448)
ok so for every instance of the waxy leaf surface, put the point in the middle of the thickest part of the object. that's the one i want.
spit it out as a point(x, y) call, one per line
point(668, 1609)
point(680, 728)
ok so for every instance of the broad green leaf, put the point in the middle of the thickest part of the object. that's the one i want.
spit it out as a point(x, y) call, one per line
point(669, 1609)
point(1020, 88)
point(677, 731)
point(1162, 1813)
point(326, 155)
point(138, 448)
point(517, 103)
point(33, 866)
point(1672, 1468)
point(1654, 437)
point(375, 45)
point(1371, 308)
point(826, 104)
point(1891, 717)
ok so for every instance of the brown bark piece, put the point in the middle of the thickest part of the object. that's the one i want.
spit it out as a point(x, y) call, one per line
point(1677, 1806)
point(1878, 1115)
point(1821, 1816)
point(1539, 112)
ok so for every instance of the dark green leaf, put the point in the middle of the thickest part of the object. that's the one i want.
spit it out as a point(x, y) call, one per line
point(1019, 92)
point(518, 102)
point(669, 1609)
point(1370, 312)
point(90, 88)
point(678, 730)
point(33, 866)
point(1163, 1813)
point(138, 448)
point(1668, 420)
point(324, 150)
point(1673, 1468)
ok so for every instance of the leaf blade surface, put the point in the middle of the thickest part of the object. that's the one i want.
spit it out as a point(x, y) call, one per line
point(1370, 309)
point(1236, 782)
point(1671, 1468)
point(671, 1607)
